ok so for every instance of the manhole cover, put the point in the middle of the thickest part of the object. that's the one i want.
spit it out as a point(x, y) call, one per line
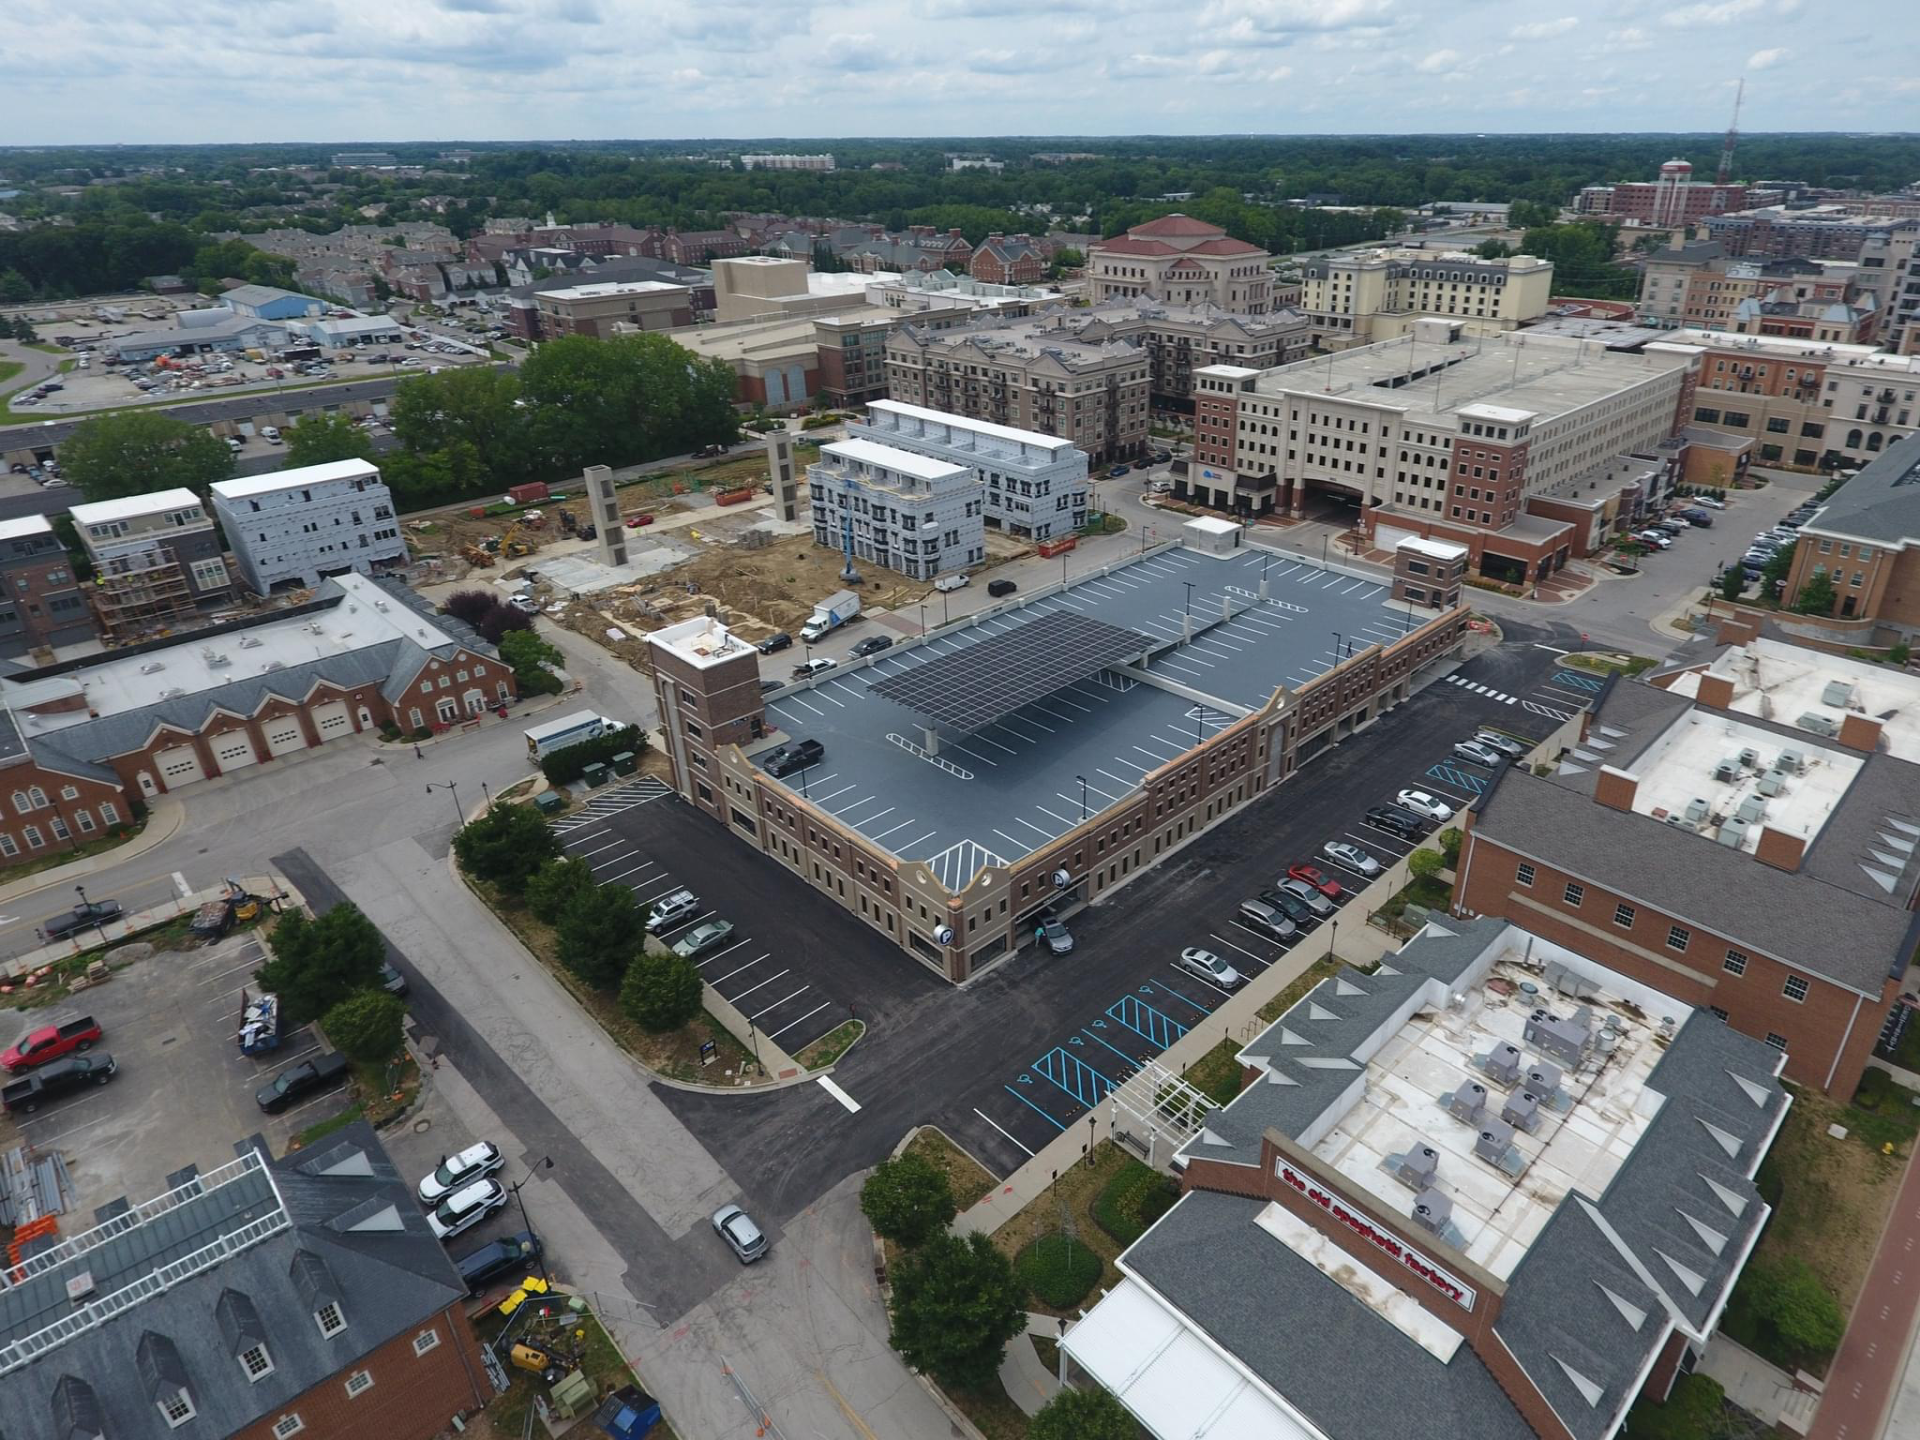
point(420, 1127)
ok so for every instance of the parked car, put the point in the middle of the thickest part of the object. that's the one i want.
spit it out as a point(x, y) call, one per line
point(40, 1043)
point(1394, 822)
point(1478, 753)
point(779, 640)
point(510, 1254)
point(1426, 806)
point(640, 522)
point(309, 1077)
point(270, 434)
point(743, 1237)
point(705, 451)
point(50, 1082)
point(953, 582)
point(872, 645)
point(703, 938)
point(94, 912)
point(1352, 856)
point(1263, 917)
point(794, 756)
point(1117, 471)
point(1163, 457)
point(1710, 502)
point(997, 588)
point(391, 980)
point(808, 668)
point(1699, 519)
point(1319, 879)
point(1659, 540)
point(1210, 967)
point(1505, 744)
point(1289, 905)
point(454, 1172)
point(1310, 894)
point(464, 1209)
point(1053, 935)
point(671, 910)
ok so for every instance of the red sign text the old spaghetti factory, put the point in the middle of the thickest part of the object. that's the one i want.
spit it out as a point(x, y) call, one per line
point(1384, 1241)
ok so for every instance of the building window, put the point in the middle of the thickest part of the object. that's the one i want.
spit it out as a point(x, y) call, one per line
point(1779, 1042)
point(8, 846)
point(1574, 894)
point(359, 1382)
point(330, 1320)
point(288, 1426)
point(68, 792)
point(1718, 1013)
point(109, 813)
point(34, 838)
point(176, 1409)
point(38, 796)
point(1736, 963)
point(85, 817)
point(1795, 989)
point(1524, 875)
point(1678, 937)
point(425, 1341)
point(256, 1363)
point(1623, 916)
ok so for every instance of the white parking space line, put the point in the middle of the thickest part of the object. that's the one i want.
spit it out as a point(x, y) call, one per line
point(1031, 826)
point(645, 890)
point(775, 1035)
point(849, 809)
point(583, 854)
point(721, 979)
point(1025, 848)
point(721, 953)
point(1222, 940)
point(253, 963)
point(890, 829)
point(822, 799)
point(683, 924)
point(1079, 688)
point(989, 740)
point(805, 706)
point(1120, 780)
point(778, 1003)
point(1052, 816)
point(58, 1135)
point(984, 760)
point(871, 818)
point(1189, 975)
point(826, 1084)
point(921, 841)
point(989, 1119)
point(735, 999)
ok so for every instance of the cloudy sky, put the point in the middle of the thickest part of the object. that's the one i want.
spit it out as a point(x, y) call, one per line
point(100, 71)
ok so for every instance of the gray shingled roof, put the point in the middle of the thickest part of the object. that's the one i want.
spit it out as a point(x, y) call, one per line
point(1802, 918)
point(1352, 1374)
point(1881, 503)
point(390, 1278)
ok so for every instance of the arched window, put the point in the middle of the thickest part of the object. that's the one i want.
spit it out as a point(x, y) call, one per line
point(1853, 439)
point(1873, 441)
point(38, 796)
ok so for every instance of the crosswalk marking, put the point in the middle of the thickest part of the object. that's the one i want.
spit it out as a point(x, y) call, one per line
point(1487, 690)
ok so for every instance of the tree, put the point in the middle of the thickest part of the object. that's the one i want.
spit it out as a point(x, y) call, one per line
point(1732, 583)
point(497, 623)
point(470, 605)
point(367, 1025)
point(318, 438)
point(473, 406)
point(505, 846)
point(956, 1304)
point(530, 656)
point(1493, 249)
point(907, 1199)
point(1425, 864)
point(662, 991)
point(599, 935)
point(318, 963)
point(557, 886)
point(1773, 574)
point(1526, 214)
point(15, 287)
point(1082, 1415)
point(132, 453)
point(1791, 1301)
point(1816, 597)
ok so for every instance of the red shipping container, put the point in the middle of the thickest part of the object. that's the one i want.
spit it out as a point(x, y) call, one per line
point(532, 493)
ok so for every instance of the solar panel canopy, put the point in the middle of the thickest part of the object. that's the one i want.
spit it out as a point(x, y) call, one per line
point(971, 688)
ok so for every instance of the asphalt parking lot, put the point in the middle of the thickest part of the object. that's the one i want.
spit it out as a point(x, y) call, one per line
point(1009, 1063)
point(796, 966)
point(182, 1092)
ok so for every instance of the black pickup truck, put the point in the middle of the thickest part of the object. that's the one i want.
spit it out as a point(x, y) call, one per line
point(296, 1082)
point(94, 912)
point(51, 1081)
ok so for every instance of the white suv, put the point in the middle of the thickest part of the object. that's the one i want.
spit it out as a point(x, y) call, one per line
point(466, 1208)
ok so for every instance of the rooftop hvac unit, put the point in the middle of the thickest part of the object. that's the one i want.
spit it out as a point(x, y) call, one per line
point(1522, 1111)
point(1838, 694)
point(1418, 1167)
point(1727, 771)
point(1733, 832)
point(1564, 1039)
point(1432, 1211)
point(1503, 1065)
point(1750, 758)
point(1697, 811)
point(1819, 724)
point(1771, 784)
point(1469, 1102)
point(250, 642)
point(1790, 761)
point(152, 667)
point(1753, 809)
point(1543, 1078)
point(1496, 1138)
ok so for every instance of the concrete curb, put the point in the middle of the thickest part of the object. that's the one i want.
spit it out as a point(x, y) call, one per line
point(164, 819)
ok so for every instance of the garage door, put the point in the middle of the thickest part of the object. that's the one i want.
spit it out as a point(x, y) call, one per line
point(285, 734)
point(234, 751)
point(332, 721)
point(180, 766)
point(1387, 537)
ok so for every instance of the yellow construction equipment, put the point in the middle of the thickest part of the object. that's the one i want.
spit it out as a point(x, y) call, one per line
point(516, 542)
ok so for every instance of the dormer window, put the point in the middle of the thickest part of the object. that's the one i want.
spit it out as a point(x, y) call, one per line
point(330, 1320)
point(176, 1409)
point(256, 1363)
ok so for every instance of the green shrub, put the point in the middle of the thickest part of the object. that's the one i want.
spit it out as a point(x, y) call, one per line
point(569, 763)
point(1082, 1415)
point(1059, 1270)
point(1899, 654)
point(366, 1025)
point(425, 732)
point(661, 992)
point(1450, 839)
point(1688, 1413)
point(389, 732)
point(1132, 1200)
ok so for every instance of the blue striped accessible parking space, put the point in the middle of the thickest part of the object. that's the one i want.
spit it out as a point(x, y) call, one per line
point(1458, 776)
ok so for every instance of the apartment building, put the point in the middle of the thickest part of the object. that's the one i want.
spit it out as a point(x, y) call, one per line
point(897, 508)
point(596, 307)
point(302, 524)
point(1035, 486)
point(1008, 260)
point(1866, 538)
point(43, 605)
point(1031, 375)
point(1438, 434)
point(1180, 339)
point(1890, 273)
point(1804, 404)
point(1817, 232)
point(1181, 261)
point(1674, 201)
point(786, 162)
point(1359, 297)
point(157, 558)
point(1716, 833)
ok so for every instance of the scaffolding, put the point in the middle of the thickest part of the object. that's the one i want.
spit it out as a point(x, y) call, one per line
point(137, 594)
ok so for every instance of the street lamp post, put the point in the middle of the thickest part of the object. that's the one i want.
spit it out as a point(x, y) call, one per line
point(1083, 798)
point(453, 788)
point(1189, 585)
point(98, 924)
point(546, 1163)
point(1336, 646)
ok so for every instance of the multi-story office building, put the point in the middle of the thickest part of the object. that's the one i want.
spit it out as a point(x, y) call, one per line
point(1364, 296)
point(1182, 261)
point(1818, 232)
point(43, 605)
point(1035, 486)
point(1675, 200)
point(1803, 403)
point(300, 525)
point(1032, 375)
point(596, 307)
point(1437, 434)
point(897, 508)
point(156, 558)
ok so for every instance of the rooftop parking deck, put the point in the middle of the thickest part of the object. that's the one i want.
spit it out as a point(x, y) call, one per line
point(996, 794)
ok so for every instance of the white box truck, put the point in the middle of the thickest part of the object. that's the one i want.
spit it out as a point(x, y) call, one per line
point(829, 615)
point(575, 729)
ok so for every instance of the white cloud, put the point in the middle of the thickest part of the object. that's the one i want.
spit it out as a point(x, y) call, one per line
point(1439, 62)
point(1722, 12)
point(1767, 59)
point(1292, 17)
point(1546, 29)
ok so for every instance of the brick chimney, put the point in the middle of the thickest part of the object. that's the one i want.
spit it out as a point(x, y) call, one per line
point(1860, 732)
point(1717, 691)
point(1616, 788)
point(1779, 849)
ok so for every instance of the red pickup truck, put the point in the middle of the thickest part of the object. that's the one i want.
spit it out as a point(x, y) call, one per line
point(50, 1042)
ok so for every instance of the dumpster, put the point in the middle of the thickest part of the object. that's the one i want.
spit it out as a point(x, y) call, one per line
point(628, 1413)
point(595, 774)
point(625, 763)
point(549, 802)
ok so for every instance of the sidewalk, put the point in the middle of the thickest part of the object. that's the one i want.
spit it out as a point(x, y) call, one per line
point(1762, 1390)
point(164, 817)
point(1029, 1383)
point(1867, 1370)
point(126, 927)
